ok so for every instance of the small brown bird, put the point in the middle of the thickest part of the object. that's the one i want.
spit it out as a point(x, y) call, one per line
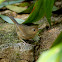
point(25, 31)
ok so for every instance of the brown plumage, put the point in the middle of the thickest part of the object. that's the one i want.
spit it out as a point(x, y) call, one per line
point(26, 32)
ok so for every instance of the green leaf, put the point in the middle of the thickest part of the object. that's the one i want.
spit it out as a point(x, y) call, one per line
point(52, 55)
point(48, 5)
point(55, 53)
point(37, 12)
point(60, 56)
point(23, 4)
point(10, 2)
point(41, 8)
point(55, 8)
point(28, 10)
point(58, 40)
point(16, 9)
point(7, 19)
point(1, 1)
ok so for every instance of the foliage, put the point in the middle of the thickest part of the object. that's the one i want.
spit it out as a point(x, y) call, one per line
point(41, 8)
point(1, 1)
point(58, 40)
point(9, 2)
point(7, 19)
point(37, 12)
point(18, 9)
point(55, 53)
point(55, 8)
point(48, 5)
point(28, 10)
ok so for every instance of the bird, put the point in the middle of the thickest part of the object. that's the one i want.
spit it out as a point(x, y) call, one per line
point(25, 32)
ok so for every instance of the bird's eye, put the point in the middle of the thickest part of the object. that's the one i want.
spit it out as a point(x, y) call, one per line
point(34, 29)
